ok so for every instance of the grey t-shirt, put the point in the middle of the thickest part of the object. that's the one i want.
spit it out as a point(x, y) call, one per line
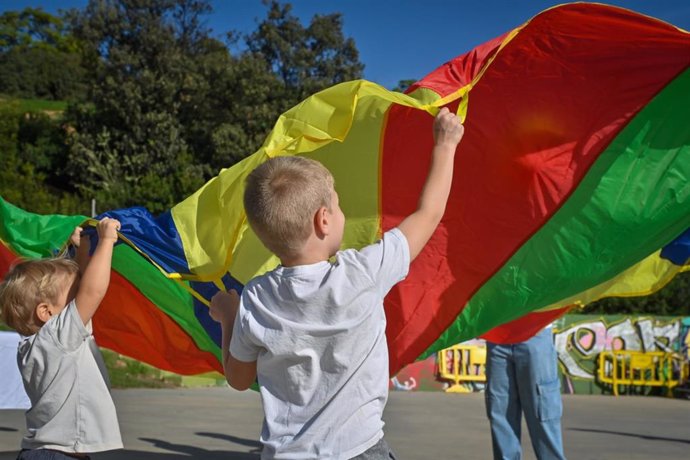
point(317, 333)
point(66, 380)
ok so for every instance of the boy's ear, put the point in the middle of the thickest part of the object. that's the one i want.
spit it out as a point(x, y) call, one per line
point(43, 312)
point(321, 222)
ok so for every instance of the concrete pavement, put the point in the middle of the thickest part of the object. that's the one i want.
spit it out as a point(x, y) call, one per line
point(220, 423)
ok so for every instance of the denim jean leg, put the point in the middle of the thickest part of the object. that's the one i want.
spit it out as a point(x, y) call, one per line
point(502, 402)
point(537, 374)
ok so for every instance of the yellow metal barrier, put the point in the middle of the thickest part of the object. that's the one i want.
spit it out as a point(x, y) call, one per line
point(637, 368)
point(462, 364)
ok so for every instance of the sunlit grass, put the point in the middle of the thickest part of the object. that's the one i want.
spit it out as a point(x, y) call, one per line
point(128, 373)
point(35, 105)
point(41, 105)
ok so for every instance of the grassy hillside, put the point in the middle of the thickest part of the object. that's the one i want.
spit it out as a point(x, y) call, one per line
point(128, 373)
point(42, 105)
point(35, 105)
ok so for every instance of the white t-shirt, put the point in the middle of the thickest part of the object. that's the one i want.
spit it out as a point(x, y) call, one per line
point(66, 380)
point(318, 334)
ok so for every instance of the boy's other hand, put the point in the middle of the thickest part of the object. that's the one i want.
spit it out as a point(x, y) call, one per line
point(224, 306)
point(447, 128)
point(107, 229)
point(75, 237)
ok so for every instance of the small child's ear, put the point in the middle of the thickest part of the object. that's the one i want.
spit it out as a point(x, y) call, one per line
point(321, 222)
point(43, 312)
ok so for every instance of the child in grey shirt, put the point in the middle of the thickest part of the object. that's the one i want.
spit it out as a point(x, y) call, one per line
point(51, 302)
point(313, 330)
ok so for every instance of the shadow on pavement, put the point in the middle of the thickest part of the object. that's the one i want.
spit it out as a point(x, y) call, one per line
point(176, 451)
point(234, 439)
point(9, 454)
point(200, 454)
point(180, 452)
point(4, 428)
point(634, 435)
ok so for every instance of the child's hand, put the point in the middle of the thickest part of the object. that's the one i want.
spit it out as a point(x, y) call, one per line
point(224, 306)
point(447, 128)
point(75, 237)
point(83, 247)
point(107, 229)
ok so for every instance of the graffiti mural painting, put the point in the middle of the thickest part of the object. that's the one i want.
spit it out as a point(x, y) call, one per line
point(580, 338)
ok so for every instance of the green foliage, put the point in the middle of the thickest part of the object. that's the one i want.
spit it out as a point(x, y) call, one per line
point(129, 147)
point(402, 85)
point(235, 99)
point(42, 105)
point(170, 105)
point(41, 73)
point(32, 147)
point(33, 27)
point(672, 300)
point(39, 58)
point(228, 109)
point(304, 59)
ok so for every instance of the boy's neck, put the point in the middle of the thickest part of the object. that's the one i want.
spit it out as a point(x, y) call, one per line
point(311, 253)
point(302, 259)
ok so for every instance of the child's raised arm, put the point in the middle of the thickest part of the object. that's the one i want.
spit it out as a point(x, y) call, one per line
point(420, 225)
point(95, 278)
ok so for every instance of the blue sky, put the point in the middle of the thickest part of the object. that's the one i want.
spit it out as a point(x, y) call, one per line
point(402, 39)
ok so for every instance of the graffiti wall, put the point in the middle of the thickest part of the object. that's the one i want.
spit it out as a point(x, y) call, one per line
point(578, 340)
point(418, 376)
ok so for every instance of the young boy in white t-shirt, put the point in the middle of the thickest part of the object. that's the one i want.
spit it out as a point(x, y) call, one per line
point(51, 302)
point(312, 330)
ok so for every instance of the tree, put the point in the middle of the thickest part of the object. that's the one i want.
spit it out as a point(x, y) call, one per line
point(673, 299)
point(227, 111)
point(129, 146)
point(33, 27)
point(402, 85)
point(30, 144)
point(304, 60)
point(239, 97)
point(39, 58)
point(170, 105)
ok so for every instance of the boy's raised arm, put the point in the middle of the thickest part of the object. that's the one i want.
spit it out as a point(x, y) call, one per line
point(420, 225)
point(95, 279)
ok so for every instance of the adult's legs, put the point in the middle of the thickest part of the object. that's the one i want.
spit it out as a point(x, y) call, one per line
point(502, 402)
point(540, 394)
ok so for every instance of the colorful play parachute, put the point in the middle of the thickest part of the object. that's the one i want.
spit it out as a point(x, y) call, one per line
point(572, 183)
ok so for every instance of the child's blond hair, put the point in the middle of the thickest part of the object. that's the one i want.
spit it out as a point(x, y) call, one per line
point(280, 200)
point(29, 283)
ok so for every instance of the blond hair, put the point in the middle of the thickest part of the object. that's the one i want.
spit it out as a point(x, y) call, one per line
point(280, 200)
point(29, 283)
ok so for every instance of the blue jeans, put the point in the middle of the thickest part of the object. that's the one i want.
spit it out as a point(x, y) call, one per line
point(523, 378)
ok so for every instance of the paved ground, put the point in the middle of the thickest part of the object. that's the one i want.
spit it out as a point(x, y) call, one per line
point(219, 423)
